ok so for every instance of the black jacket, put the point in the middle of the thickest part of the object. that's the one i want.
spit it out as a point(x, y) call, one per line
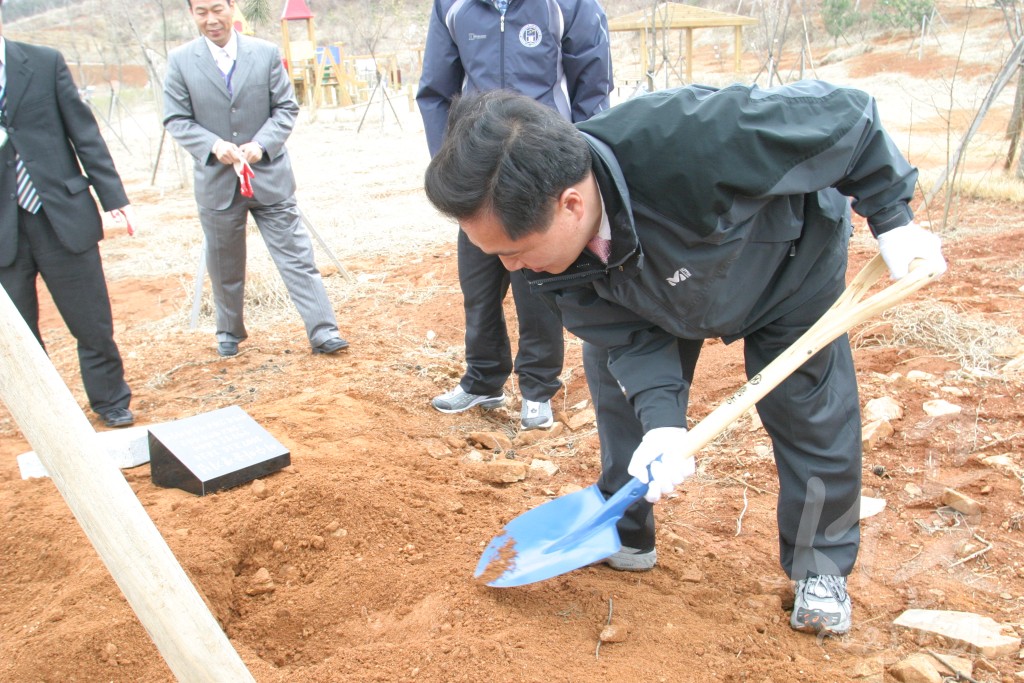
point(727, 210)
point(56, 135)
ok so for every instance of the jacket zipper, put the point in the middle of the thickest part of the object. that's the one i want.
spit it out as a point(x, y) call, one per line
point(501, 46)
point(567, 279)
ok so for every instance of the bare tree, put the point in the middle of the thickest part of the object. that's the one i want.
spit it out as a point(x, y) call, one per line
point(367, 25)
point(1011, 65)
point(774, 16)
point(1015, 27)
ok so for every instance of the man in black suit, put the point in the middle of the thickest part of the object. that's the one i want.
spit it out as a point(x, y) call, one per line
point(49, 222)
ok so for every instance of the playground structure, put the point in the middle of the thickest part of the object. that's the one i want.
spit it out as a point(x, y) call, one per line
point(326, 76)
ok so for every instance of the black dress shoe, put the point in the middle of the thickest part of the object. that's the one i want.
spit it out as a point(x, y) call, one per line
point(118, 417)
point(332, 345)
point(227, 349)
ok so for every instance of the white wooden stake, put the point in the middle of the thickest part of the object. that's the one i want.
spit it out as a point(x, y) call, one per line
point(157, 588)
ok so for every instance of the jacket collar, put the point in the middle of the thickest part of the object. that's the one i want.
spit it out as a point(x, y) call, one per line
point(19, 74)
point(204, 62)
point(243, 63)
point(626, 257)
point(208, 67)
point(615, 193)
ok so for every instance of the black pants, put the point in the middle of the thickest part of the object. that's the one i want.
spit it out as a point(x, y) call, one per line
point(620, 432)
point(813, 419)
point(79, 290)
point(541, 352)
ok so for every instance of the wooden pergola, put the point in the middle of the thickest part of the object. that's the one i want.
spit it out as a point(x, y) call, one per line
point(672, 16)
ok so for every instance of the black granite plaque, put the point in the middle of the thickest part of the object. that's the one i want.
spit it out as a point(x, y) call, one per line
point(213, 451)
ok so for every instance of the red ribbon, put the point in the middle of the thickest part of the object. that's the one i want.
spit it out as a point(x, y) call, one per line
point(244, 176)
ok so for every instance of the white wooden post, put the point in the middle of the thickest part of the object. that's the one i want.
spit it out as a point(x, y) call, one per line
point(157, 588)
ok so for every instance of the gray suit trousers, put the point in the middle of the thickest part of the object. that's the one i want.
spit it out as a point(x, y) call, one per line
point(292, 251)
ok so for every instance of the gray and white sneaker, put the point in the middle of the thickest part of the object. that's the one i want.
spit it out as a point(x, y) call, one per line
point(536, 415)
point(632, 560)
point(822, 605)
point(457, 400)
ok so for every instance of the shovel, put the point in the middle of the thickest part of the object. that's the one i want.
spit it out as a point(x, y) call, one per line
point(579, 529)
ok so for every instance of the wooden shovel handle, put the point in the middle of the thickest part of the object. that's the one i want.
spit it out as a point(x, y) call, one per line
point(848, 310)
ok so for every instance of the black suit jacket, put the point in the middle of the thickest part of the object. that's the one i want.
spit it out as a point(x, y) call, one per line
point(57, 137)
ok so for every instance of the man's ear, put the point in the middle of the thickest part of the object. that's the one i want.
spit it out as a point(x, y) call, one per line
point(572, 200)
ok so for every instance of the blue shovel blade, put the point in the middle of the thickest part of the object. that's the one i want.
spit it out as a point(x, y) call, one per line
point(559, 536)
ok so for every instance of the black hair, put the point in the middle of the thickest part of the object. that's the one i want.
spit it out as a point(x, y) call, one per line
point(188, 3)
point(506, 153)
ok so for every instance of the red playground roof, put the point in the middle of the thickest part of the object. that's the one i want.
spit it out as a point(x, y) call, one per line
point(296, 9)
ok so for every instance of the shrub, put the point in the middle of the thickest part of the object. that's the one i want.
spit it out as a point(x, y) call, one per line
point(838, 16)
point(902, 13)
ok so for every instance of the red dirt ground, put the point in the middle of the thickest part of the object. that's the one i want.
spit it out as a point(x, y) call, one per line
point(388, 594)
point(371, 536)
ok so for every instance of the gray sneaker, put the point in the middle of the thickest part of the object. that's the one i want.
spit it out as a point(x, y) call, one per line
point(457, 401)
point(822, 605)
point(632, 560)
point(536, 415)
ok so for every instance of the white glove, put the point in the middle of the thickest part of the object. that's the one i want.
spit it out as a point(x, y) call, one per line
point(662, 450)
point(900, 246)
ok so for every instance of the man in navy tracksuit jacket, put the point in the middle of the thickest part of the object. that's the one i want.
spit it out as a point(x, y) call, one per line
point(688, 214)
point(556, 52)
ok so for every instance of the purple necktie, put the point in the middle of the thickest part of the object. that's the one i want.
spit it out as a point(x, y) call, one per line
point(227, 78)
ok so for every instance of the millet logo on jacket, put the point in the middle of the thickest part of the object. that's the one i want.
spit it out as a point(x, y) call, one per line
point(477, 36)
point(678, 276)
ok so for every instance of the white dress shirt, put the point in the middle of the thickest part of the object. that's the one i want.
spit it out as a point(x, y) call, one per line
point(224, 56)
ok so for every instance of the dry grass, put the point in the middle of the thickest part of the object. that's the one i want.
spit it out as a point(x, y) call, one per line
point(1002, 187)
point(266, 298)
point(975, 344)
point(987, 185)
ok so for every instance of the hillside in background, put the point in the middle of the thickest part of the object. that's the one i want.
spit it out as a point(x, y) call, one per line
point(115, 31)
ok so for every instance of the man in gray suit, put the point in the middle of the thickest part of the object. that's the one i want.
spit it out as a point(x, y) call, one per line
point(51, 153)
point(229, 103)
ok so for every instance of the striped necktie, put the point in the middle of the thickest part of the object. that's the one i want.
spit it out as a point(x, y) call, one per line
point(27, 197)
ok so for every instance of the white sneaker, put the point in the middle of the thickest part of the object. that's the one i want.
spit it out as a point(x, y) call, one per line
point(536, 415)
point(457, 401)
point(822, 605)
point(632, 560)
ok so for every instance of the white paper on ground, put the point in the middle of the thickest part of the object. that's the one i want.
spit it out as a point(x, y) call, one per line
point(125, 447)
point(869, 507)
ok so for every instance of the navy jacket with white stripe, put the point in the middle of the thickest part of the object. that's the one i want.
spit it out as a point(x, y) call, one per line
point(555, 51)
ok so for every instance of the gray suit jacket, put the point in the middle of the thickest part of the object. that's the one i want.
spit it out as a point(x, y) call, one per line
point(198, 110)
point(56, 135)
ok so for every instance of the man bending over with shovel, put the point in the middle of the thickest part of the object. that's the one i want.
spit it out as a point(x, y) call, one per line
point(684, 215)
